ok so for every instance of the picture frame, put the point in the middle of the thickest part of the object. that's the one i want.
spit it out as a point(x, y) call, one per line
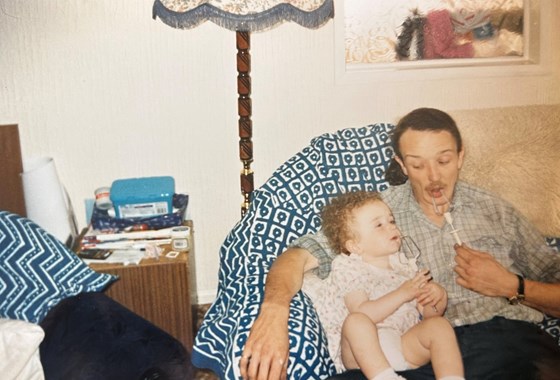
point(529, 61)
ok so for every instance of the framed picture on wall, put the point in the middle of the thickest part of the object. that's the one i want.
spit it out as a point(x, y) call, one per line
point(377, 36)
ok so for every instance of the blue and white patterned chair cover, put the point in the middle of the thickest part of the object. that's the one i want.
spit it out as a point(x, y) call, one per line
point(284, 208)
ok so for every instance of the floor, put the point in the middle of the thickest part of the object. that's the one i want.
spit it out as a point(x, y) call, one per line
point(203, 374)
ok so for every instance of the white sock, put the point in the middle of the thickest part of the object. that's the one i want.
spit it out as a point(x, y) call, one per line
point(387, 374)
point(452, 378)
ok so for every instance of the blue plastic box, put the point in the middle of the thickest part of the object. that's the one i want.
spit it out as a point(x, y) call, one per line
point(142, 197)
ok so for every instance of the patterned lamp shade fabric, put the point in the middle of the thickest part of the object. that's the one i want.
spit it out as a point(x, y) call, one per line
point(243, 15)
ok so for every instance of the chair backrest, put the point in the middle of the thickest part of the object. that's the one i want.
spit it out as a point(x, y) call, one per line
point(347, 160)
point(285, 207)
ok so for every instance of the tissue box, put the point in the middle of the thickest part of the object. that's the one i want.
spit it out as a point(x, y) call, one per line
point(142, 197)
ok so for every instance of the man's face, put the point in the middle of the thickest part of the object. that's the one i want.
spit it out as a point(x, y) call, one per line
point(432, 164)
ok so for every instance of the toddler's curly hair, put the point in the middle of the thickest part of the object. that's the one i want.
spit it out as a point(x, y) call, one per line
point(337, 217)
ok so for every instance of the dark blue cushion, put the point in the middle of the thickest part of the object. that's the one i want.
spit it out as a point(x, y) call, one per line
point(92, 337)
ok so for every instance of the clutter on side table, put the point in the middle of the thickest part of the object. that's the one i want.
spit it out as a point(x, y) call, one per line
point(131, 247)
point(132, 219)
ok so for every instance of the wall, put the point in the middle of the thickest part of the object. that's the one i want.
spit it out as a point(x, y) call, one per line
point(110, 93)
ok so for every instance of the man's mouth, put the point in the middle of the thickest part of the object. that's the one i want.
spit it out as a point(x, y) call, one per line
point(436, 191)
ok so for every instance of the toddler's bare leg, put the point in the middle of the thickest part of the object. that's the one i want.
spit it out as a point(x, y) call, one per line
point(360, 346)
point(434, 339)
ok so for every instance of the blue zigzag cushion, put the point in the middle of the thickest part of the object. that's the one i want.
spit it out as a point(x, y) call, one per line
point(37, 271)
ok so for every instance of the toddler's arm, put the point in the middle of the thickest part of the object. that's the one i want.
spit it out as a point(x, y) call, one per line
point(380, 308)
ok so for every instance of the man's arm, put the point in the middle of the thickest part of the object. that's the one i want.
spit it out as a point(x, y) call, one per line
point(479, 271)
point(542, 296)
point(265, 355)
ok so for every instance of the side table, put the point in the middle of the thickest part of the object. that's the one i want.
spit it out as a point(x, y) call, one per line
point(158, 290)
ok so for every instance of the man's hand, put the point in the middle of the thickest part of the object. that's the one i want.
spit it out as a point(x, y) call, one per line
point(265, 356)
point(480, 272)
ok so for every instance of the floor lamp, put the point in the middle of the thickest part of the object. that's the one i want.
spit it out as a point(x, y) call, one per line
point(244, 17)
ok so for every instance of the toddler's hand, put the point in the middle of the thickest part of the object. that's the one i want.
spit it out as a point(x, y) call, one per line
point(412, 288)
point(430, 294)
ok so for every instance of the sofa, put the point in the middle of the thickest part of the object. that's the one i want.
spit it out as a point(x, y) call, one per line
point(511, 151)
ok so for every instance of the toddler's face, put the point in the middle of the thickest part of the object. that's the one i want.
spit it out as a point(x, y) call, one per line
point(375, 231)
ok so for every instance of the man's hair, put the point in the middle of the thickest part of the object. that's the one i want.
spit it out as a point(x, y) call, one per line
point(421, 119)
point(337, 217)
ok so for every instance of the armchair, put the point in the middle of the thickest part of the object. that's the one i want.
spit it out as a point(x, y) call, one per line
point(284, 208)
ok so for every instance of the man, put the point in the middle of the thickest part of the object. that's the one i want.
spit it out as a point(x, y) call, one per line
point(499, 282)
